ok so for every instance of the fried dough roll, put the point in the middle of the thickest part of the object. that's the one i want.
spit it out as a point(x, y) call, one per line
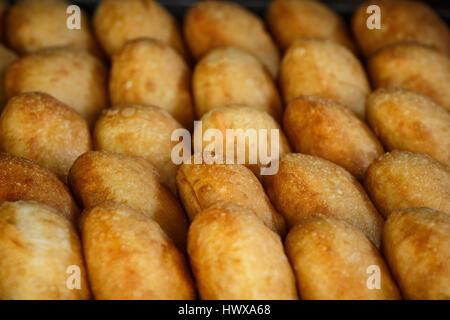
point(150, 72)
point(323, 68)
point(407, 120)
point(334, 260)
point(251, 129)
point(38, 127)
point(289, 20)
point(23, 179)
point(118, 21)
point(402, 179)
point(235, 256)
point(72, 76)
point(202, 185)
point(400, 21)
point(140, 130)
point(416, 243)
point(129, 256)
point(34, 25)
point(324, 128)
point(100, 176)
point(213, 24)
point(307, 185)
point(40, 254)
point(415, 67)
point(232, 76)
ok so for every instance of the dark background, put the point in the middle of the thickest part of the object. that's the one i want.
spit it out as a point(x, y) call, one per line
point(343, 7)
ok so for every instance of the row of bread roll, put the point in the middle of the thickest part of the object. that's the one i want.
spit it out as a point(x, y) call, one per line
point(127, 255)
point(132, 235)
point(235, 256)
point(229, 277)
point(232, 253)
point(34, 25)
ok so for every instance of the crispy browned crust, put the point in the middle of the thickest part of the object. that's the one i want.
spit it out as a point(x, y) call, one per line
point(416, 243)
point(317, 67)
point(400, 21)
point(118, 21)
point(402, 179)
point(213, 24)
point(232, 76)
point(22, 179)
point(306, 185)
point(331, 258)
point(324, 128)
point(148, 71)
point(140, 130)
point(235, 256)
point(290, 20)
point(242, 117)
point(37, 247)
point(36, 126)
point(202, 185)
point(129, 256)
point(99, 176)
point(72, 76)
point(407, 120)
point(33, 25)
point(415, 67)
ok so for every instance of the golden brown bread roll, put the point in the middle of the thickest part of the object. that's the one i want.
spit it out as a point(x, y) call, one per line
point(235, 256)
point(72, 76)
point(235, 117)
point(415, 67)
point(416, 243)
point(400, 21)
point(323, 68)
point(290, 20)
point(307, 185)
point(22, 179)
point(213, 24)
point(407, 120)
point(140, 130)
point(99, 176)
point(40, 255)
point(402, 179)
point(129, 256)
point(6, 58)
point(202, 185)
point(334, 260)
point(33, 25)
point(119, 21)
point(324, 128)
point(36, 126)
point(232, 76)
point(150, 72)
